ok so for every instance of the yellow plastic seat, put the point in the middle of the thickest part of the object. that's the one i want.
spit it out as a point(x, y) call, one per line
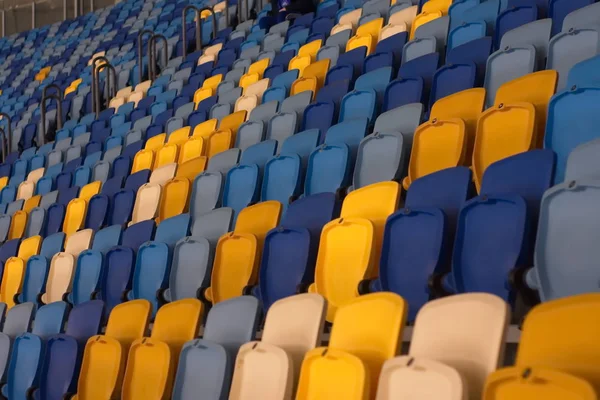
point(537, 383)
point(357, 41)
point(299, 63)
point(337, 28)
point(90, 190)
point(371, 28)
point(333, 374)
point(176, 323)
point(437, 5)
point(422, 19)
point(62, 266)
point(74, 216)
point(174, 199)
point(375, 202)
point(31, 203)
point(193, 148)
point(144, 159)
point(238, 253)
point(345, 256)
point(213, 82)
point(163, 174)
point(3, 182)
point(249, 79)
point(147, 371)
point(167, 154)
point(105, 356)
point(146, 204)
point(368, 328)
point(233, 121)
point(572, 345)
point(437, 144)
point(536, 88)
point(466, 105)
point(391, 30)
point(156, 142)
point(191, 168)
point(318, 70)
point(12, 278)
point(17, 225)
point(259, 67)
point(246, 103)
point(25, 190)
point(414, 378)
point(257, 88)
point(502, 131)
point(271, 368)
point(202, 94)
point(351, 18)
point(473, 327)
point(179, 136)
point(304, 84)
point(29, 247)
point(219, 141)
point(311, 49)
point(205, 128)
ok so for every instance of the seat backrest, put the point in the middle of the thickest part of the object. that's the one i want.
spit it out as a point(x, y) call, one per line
point(177, 323)
point(212, 225)
point(129, 321)
point(457, 318)
point(79, 241)
point(106, 238)
point(172, 229)
point(49, 319)
point(233, 322)
point(137, 234)
point(582, 162)
point(18, 319)
point(258, 219)
point(85, 320)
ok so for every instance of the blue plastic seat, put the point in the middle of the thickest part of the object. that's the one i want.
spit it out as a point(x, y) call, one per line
point(376, 80)
point(18, 321)
point(491, 228)
point(359, 104)
point(467, 32)
point(282, 178)
point(290, 251)
point(476, 51)
point(121, 207)
point(354, 58)
point(350, 133)
point(151, 273)
point(54, 219)
point(334, 92)
point(343, 72)
point(171, 230)
point(572, 112)
point(329, 169)
point(452, 78)
point(413, 251)
point(423, 67)
point(191, 267)
point(319, 115)
point(582, 163)
point(559, 9)
point(583, 73)
point(512, 18)
point(403, 91)
point(207, 364)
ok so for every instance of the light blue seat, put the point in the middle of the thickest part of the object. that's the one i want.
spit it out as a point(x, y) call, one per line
point(569, 48)
point(282, 179)
point(572, 120)
point(419, 47)
point(466, 32)
point(457, 9)
point(570, 203)
point(329, 169)
point(206, 365)
point(5, 221)
point(18, 321)
point(359, 104)
point(249, 133)
point(296, 103)
point(506, 65)
point(583, 74)
point(381, 157)
point(224, 161)
point(212, 225)
point(190, 269)
point(264, 112)
point(583, 163)
point(350, 132)
point(206, 192)
point(282, 126)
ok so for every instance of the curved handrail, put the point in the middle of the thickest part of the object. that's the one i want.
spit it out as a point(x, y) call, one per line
point(111, 93)
point(4, 144)
point(140, 55)
point(53, 86)
point(9, 123)
point(239, 12)
point(226, 14)
point(95, 96)
point(154, 52)
point(198, 12)
point(58, 117)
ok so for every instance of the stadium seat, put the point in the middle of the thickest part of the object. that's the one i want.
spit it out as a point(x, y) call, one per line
point(474, 326)
point(502, 131)
point(549, 352)
point(241, 251)
point(293, 327)
point(206, 365)
point(582, 163)
point(356, 351)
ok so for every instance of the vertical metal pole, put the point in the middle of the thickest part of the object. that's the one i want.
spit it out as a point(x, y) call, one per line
point(64, 10)
point(33, 15)
point(75, 8)
point(3, 23)
point(92, 6)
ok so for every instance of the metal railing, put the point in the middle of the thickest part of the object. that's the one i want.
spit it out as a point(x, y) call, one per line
point(8, 138)
point(198, 12)
point(111, 90)
point(141, 55)
point(58, 97)
point(153, 50)
point(4, 144)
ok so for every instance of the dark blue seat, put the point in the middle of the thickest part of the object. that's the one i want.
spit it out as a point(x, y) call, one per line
point(136, 180)
point(322, 25)
point(354, 58)
point(319, 115)
point(334, 92)
point(403, 91)
point(392, 45)
point(66, 195)
point(54, 218)
point(512, 18)
point(121, 207)
point(423, 67)
point(452, 78)
point(297, 236)
point(476, 51)
point(558, 10)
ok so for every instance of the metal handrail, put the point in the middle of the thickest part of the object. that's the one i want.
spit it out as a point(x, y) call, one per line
point(141, 56)
point(198, 12)
point(4, 144)
point(9, 123)
point(154, 53)
point(239, 6)
point(96, 106)
point(111, 93)
point(58, 117)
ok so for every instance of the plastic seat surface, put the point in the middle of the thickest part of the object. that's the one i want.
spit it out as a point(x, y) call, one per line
point(505, 65)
